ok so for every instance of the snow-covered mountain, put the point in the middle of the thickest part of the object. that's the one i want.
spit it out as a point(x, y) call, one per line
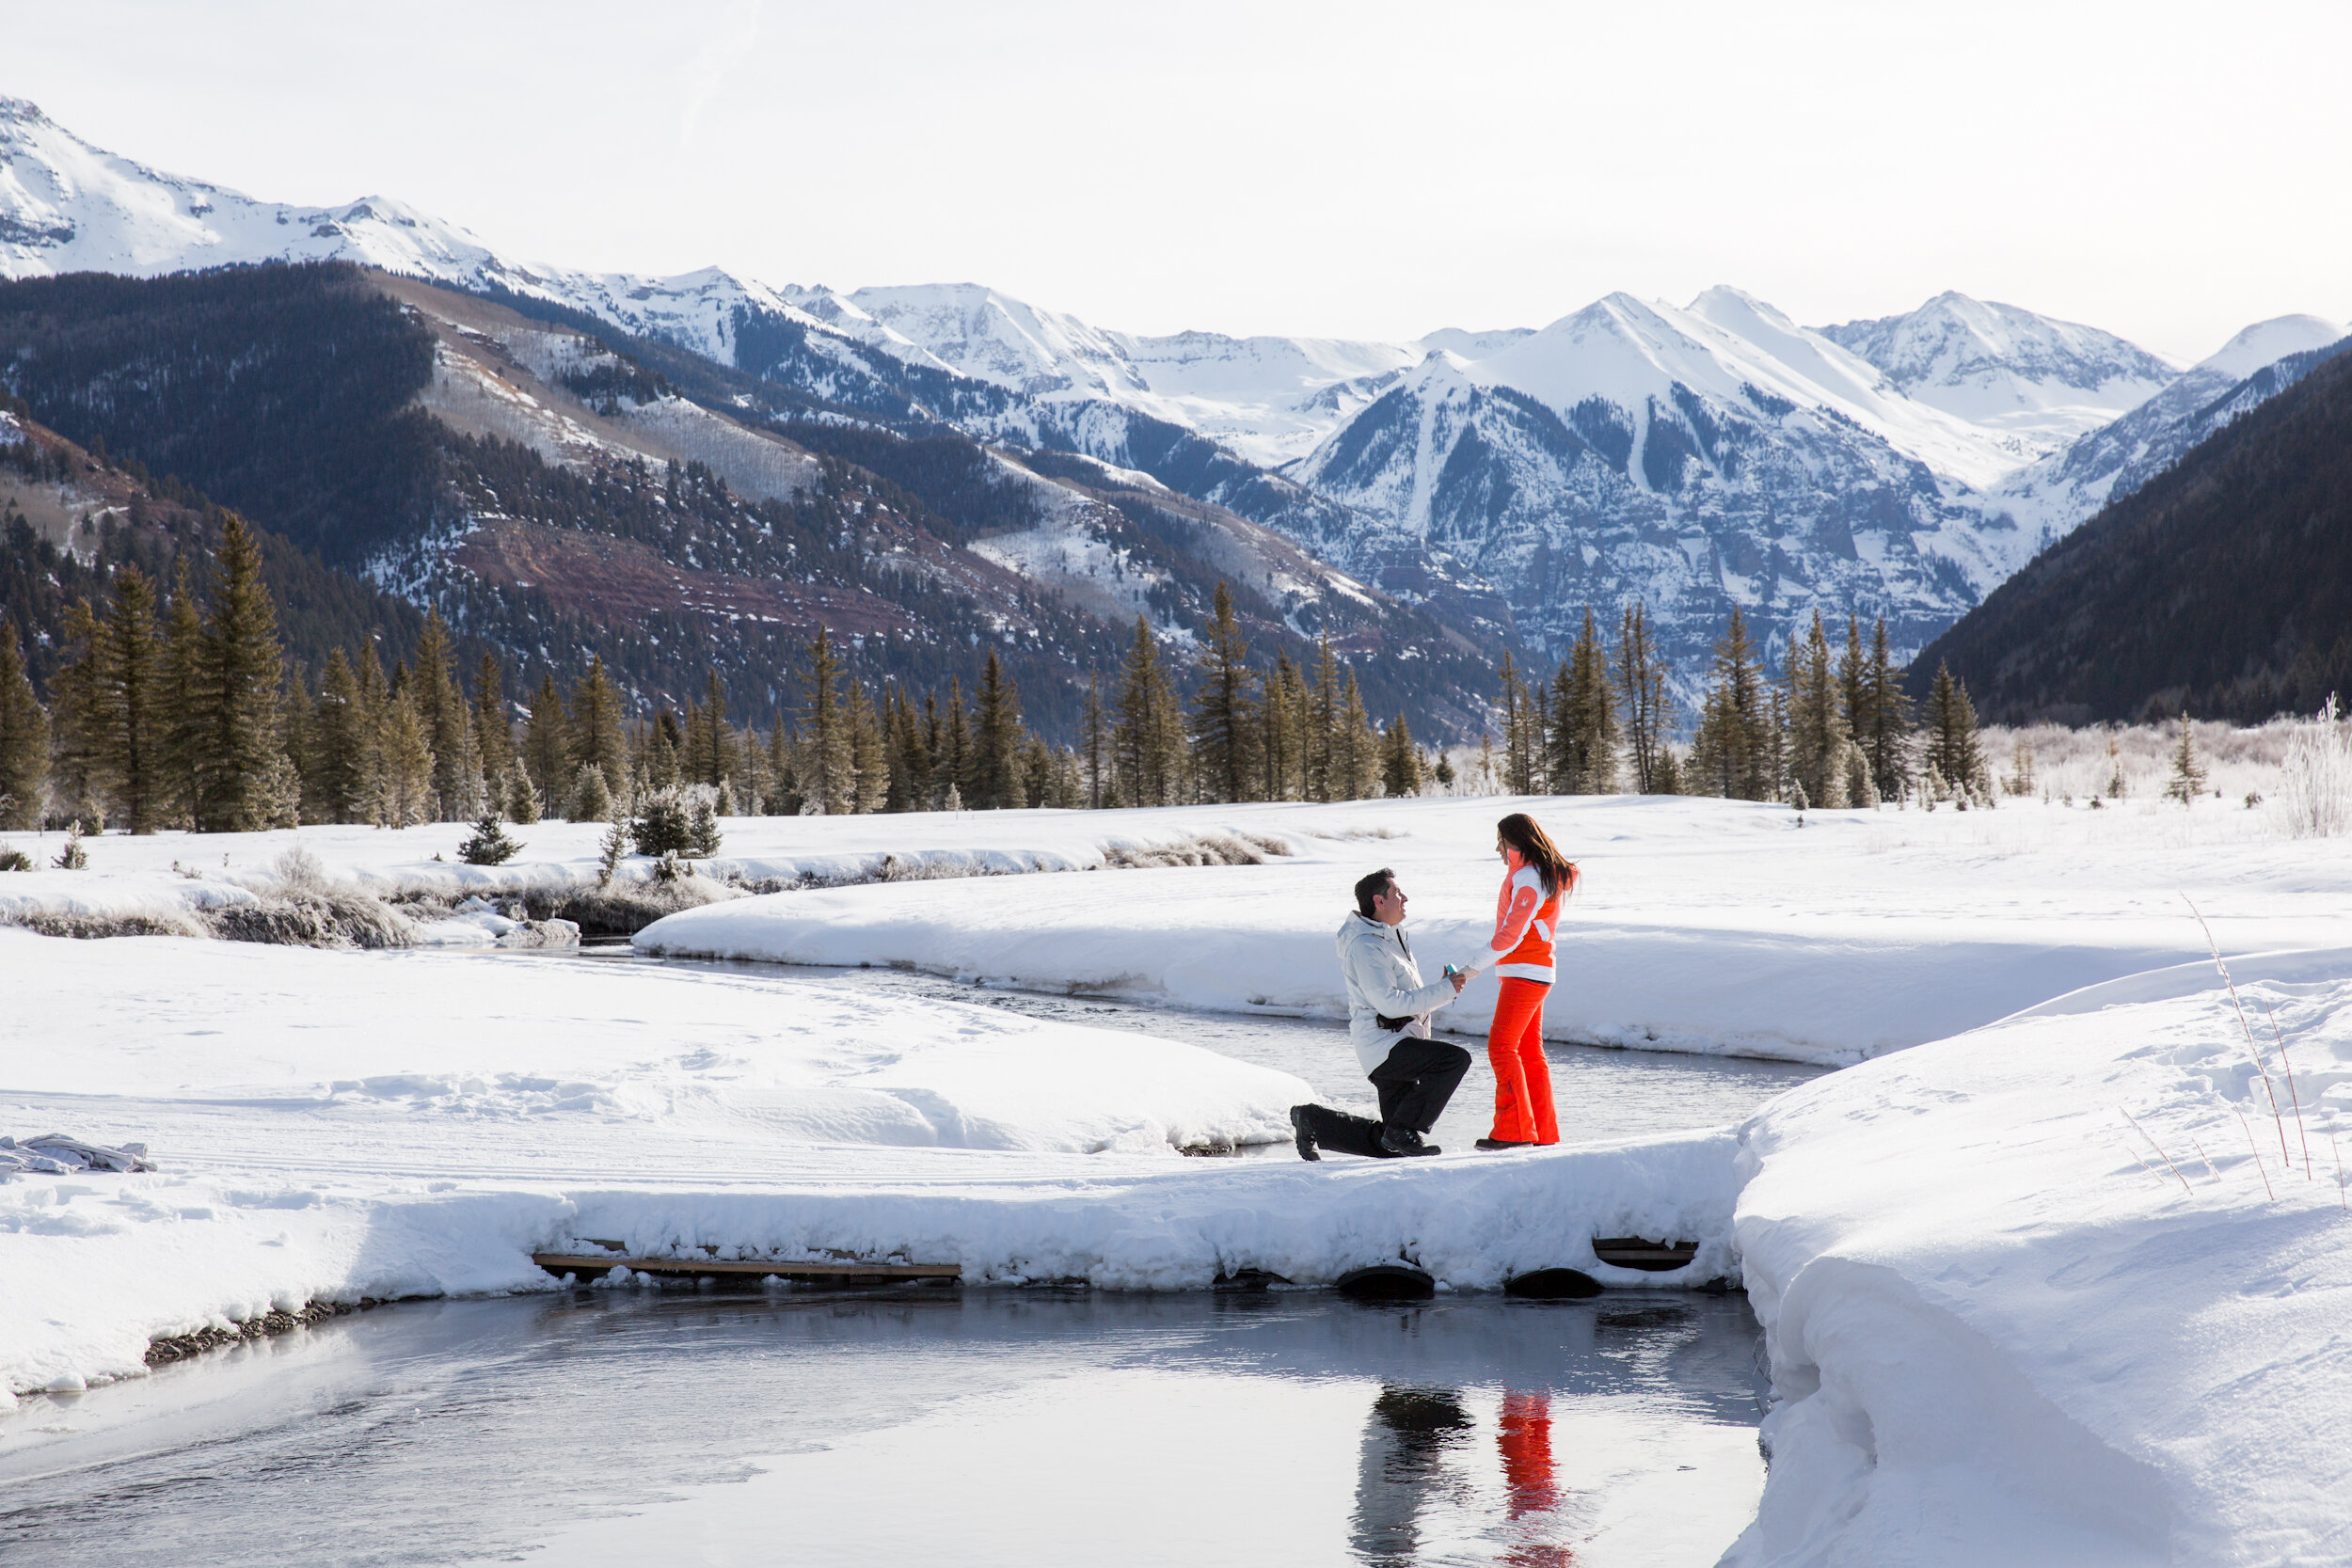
point(1696, 456)
point(66, 206)
point(2038, 381)
point(1693, 459)
point(2049, 498)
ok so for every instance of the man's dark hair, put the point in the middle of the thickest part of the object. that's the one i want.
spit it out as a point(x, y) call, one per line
point(1370, 887)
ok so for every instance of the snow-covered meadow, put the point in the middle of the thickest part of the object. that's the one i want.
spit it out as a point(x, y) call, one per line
point(2003, 1327)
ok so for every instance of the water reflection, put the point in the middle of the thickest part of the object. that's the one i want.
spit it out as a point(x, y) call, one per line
point(994, 1427)
point(1404, 1470)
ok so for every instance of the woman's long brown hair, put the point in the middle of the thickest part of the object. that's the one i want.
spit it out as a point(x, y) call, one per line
point(1535, 848)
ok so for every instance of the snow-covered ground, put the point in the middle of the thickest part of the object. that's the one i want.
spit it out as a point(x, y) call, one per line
point(2003, 1328)
point(2011, 1326)
point(334, 1125)
point(1702, 925)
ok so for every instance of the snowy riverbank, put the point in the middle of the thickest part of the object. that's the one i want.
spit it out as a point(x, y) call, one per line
point(330, 1126)
point(1706, 925)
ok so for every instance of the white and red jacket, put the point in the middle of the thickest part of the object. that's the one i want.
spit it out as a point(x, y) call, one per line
point(1526, 918)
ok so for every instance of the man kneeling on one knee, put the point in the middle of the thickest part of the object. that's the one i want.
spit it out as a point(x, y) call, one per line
point(1388, 1020)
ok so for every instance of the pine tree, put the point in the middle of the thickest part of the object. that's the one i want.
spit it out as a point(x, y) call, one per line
point(1400, 761)
point(405, 786)
point(127, 696)
point(522, 797)
point(1735, 752)
point(24, 737)
point(1816, 721)
point(2188, 771)
point(236, 697)
point(493, 729)
point(1666, 772)
point(1356, 762)
point(1583, 756)
point(1854, 683)
point(447, 722)
point(1640, 679)
point(1522, 733)
point(76, 716)
point(995, 741)
point(297, 738)
point(1224, 721)
point(546, 745)
point(1094, 743)
point(1145, 738)
point(658, 750)
point(708, 755)
point(784, 798)
point(489, 845)
point(828, 770)
point(594, 737)
point(951, 757)
point(1953, 746)
point(868, 758)
point(1323, 724)
point(183, 737)
point(1282, 731)
point(592, 798)
point(1886, 739)
point(339, 769)
point(909, 760)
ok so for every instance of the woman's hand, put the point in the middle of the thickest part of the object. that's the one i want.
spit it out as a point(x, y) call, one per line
point(1461, 978)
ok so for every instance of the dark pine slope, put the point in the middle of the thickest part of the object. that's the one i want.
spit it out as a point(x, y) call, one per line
point(2222, 587)
point(304, 397)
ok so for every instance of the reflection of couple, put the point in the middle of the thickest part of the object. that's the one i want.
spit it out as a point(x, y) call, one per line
point(1403, 1471)
point(1389, 1007)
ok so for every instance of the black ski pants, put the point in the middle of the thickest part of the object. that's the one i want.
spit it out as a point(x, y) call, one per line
point(1414, 1083)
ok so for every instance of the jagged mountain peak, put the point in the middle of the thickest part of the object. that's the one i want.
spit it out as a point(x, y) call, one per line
point(2039, 379)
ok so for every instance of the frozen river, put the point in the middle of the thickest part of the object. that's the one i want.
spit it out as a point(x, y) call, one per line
point(984, 1427)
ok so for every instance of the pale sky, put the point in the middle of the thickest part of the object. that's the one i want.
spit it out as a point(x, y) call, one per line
point(2169, 172)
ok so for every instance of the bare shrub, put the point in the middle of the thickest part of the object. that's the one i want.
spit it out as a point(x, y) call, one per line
point(299, 867)
point(2314, 795)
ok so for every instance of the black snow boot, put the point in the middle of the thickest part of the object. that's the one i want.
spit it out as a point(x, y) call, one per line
point(1302, 1136)
point(1489, 1146)
point(1405, 1142)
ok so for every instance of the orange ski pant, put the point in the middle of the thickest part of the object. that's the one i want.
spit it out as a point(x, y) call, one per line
point(1523, 1108)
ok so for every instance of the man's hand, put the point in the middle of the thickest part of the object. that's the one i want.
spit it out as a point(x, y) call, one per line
point(1461, 978)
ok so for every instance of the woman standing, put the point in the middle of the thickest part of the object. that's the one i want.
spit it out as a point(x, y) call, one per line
point(1526, 914)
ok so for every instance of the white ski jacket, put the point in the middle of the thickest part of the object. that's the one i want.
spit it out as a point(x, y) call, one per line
point(1382, 979)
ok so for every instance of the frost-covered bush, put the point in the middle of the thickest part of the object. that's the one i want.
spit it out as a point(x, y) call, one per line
point(2314, 795)
point(299, 866)
point(663, 826)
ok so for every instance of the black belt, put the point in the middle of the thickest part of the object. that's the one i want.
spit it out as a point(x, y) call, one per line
point(1387, 1023)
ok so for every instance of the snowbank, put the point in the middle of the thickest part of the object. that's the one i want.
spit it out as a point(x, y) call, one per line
point(176, 883)
point(1704, 925)
point(2009, 1327)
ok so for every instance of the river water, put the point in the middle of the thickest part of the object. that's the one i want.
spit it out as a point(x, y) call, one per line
point(985, 1427)
point(992, 1427)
